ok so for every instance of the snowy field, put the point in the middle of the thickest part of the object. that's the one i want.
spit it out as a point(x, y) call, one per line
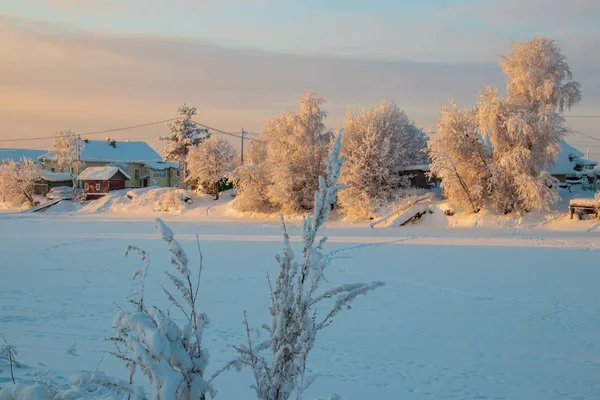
point(467, 313)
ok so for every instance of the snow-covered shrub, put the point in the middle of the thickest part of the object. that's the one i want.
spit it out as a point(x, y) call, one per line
point(24, 392)
point(376, 144)
point(183, 135)
point(295, 320)
point(150, 341)
point(252, 181)
point(72, 349)
point(170, 201)
point(8, 354)
point(213, 160)
point(160, 199)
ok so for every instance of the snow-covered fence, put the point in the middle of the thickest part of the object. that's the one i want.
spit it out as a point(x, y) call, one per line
point(402, 208)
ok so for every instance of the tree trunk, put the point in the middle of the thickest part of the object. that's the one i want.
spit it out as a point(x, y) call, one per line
point(181, 182)
point(216, 189)
point(29, 197)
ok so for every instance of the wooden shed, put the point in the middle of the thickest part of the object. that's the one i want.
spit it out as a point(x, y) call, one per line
point(417, 175)
point(98, 181)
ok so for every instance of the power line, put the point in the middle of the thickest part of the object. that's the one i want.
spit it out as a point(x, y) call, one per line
point(586, 135)
point(226, 133)
point(584, 145)
point(91, 133)
point(129, 127)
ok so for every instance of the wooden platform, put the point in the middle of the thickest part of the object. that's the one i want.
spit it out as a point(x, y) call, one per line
point(582, 207)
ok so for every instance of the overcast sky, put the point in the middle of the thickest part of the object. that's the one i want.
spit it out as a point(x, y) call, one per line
point(99, 64)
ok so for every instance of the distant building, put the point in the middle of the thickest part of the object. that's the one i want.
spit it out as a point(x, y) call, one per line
point(17, 154)
point(417, 174)
point(571, 167)
point(98, 181)
point(138, 160)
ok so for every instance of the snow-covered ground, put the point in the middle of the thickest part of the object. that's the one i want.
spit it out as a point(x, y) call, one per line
point(474, 308)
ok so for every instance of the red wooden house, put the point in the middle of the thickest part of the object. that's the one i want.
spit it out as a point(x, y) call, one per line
point(98, 181)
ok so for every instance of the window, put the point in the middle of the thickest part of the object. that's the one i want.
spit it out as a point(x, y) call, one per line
point(86, 186)
point(159, 173)
point(97, 187)
point(136, 174)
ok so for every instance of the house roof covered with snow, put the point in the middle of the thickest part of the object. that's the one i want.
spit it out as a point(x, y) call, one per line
point(17, 154)
point(57, 176)
point(114, 151)
point(160, 165)
point(101, 173)
point(568, 158)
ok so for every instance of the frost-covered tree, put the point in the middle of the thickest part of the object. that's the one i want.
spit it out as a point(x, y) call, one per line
point(297, 146)
point(252, 180)
point(539, 76)
point(213, 160)
point(67, 148)
point(521, 132)
point(524, 144)
point(459, 157)
point(184, 134)
point(376, 144)
point(525, 128)
point(149, 340)
point(295, 318)
point(18, 179)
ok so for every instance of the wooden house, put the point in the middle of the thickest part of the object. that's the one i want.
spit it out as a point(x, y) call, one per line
point(137, 159)
point(51, 180)
point(98, 181)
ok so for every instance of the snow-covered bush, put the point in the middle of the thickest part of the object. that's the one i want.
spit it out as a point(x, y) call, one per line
point(169, 202)
point(511, 142)
point(252, 181)
point(160, 199)
point(376, 144)
point(213, 160)
point(183, 135)
point(295, 320)
point(150, 341)
point(18, 179)
point(24, 392)
point(8, 355)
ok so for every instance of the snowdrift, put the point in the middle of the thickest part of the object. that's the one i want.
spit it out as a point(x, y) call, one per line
point(140, 201)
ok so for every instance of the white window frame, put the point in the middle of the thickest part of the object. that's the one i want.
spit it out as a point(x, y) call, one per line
point(86, 186)
point(136, 174)
point(159, 173)
point(97, 187)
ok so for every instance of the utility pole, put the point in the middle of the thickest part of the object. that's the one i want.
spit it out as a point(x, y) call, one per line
point(587, 153)
point(242, 152)
point(78, 161)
